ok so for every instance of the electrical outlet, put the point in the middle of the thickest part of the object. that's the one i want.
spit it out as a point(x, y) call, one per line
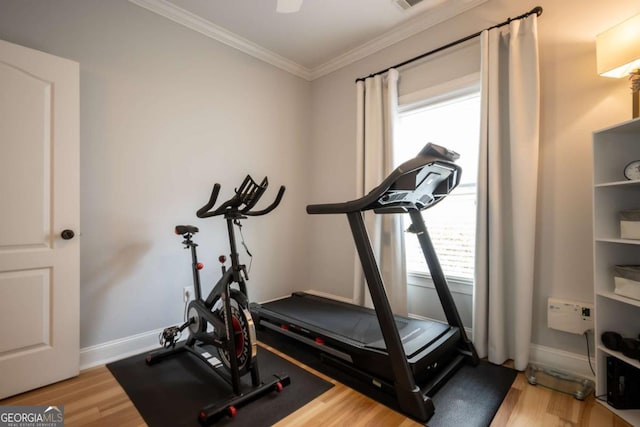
point(569, 316)
point(188, 293)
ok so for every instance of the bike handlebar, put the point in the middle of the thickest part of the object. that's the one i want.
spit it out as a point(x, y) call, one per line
point(244, 199)
point(212, 201)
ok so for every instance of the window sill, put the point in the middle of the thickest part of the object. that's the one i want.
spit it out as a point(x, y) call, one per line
point(459, 286)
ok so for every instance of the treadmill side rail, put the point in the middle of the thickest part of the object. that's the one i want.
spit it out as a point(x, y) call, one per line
point(440, 283)
point(408, 394)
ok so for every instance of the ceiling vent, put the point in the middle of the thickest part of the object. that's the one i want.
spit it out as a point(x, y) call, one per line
point(406, 4)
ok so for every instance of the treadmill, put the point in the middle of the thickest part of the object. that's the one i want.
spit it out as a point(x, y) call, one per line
point(409, 358)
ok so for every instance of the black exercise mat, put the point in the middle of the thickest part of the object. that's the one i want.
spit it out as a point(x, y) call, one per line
point(172, 392)
point(470, 398)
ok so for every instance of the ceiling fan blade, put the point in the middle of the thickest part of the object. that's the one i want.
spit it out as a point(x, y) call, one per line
point(288, 6)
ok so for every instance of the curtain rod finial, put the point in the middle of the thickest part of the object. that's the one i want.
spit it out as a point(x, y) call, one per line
point(537, 10)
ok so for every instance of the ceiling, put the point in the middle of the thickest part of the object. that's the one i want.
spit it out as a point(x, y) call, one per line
point(323, 36)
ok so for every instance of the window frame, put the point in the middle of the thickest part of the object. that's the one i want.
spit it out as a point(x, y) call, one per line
point(468, 85)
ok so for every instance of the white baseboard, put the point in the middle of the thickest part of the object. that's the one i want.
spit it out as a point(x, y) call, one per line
point(111, 351)
point(329, 296)
point(560, 360)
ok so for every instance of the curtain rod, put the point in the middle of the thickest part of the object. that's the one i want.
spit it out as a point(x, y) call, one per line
point(537, 10)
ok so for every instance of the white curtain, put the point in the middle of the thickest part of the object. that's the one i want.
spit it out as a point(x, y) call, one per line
point(507, 193)
point(377, 104)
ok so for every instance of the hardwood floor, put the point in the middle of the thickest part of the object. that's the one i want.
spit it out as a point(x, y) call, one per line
point(95, 398)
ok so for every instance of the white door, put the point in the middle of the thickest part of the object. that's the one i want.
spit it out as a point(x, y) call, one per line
point(39, 198)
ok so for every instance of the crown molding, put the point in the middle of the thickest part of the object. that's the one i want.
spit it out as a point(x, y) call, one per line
point(406, 30)
point(184, 17)
point(412, 27)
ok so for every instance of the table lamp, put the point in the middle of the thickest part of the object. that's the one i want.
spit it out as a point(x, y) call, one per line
point(618, 55)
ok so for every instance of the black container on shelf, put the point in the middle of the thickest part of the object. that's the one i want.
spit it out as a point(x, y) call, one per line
point(623, 384)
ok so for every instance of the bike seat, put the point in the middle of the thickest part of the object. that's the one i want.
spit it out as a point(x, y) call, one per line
point(184, 229)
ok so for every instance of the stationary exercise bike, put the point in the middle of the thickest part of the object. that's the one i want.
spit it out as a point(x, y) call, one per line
point(207, 319)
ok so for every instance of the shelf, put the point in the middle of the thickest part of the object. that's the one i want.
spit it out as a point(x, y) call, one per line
point(613, 149)
point(633, 362)
point(633, 183)
point(608, 203)
point(619, 298)
point(618, 240)
point(632, 416)
point(629, 126)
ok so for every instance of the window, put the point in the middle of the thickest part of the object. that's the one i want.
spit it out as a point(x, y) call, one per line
point(450, 119)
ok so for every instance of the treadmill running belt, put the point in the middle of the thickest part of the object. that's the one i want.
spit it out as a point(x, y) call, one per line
point(358, 324)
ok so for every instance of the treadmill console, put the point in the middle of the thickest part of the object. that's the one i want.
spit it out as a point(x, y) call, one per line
point(420, 182)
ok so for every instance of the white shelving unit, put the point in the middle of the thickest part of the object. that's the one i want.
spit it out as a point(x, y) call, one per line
point(613, 148)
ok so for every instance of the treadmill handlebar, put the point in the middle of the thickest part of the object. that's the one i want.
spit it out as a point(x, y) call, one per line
point(418, 183)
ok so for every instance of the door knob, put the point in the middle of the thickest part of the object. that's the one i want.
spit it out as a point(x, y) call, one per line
point(67, 234)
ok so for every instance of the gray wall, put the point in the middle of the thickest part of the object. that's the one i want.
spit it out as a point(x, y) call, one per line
point(574, 102)
point(165, 113)
point(164, 109)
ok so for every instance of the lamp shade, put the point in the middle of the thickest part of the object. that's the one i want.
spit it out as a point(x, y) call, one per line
point(618, 49)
